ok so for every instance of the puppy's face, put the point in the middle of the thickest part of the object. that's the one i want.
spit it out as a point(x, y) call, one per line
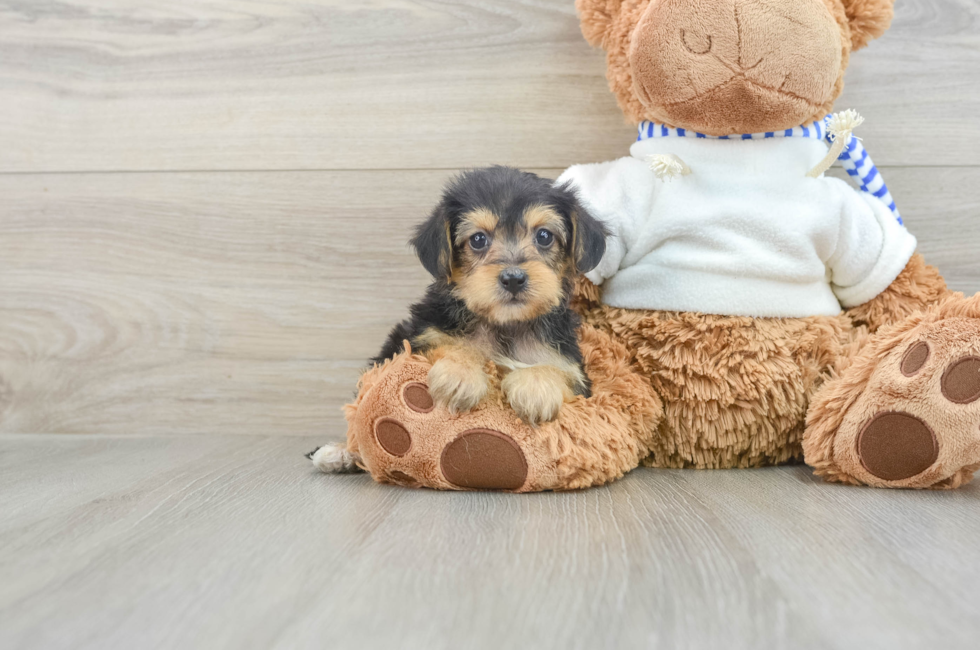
point(511, 265)
point(506, 241)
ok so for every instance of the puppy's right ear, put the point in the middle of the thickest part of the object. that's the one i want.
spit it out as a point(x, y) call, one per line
point(433, 242)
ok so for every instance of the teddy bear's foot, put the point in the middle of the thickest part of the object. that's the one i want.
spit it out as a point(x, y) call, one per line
point(906, 413)
point(402, 436)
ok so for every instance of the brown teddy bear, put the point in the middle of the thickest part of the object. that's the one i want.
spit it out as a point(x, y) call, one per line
point(749, 311)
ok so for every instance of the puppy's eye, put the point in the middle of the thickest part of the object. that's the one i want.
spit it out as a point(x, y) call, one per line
point(478, 241)
point(544, 238)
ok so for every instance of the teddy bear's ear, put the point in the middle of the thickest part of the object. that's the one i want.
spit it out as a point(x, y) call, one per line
point(597, 18)
point(869, 19)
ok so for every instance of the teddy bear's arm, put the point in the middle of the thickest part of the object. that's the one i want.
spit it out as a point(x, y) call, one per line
point(918, 286)
point(872, 247)
point(618, 193)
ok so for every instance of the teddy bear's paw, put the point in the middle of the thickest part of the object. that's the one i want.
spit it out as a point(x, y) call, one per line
point(407, 438)
point(917, 422)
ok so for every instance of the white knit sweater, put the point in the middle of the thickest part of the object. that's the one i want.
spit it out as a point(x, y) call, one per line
point(745, 233)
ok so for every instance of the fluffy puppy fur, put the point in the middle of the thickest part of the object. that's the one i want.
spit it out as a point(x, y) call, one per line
point(504, 247)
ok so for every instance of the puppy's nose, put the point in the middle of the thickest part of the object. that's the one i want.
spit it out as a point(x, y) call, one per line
point(514, 280)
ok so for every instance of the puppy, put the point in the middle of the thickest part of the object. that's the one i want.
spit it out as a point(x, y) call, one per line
point(504, 247)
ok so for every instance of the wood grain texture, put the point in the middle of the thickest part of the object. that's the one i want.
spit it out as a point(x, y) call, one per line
point(234, 542)
point(249, 302)
point(405, 84)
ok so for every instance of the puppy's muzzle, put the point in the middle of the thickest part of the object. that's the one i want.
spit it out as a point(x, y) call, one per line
point(513, 280)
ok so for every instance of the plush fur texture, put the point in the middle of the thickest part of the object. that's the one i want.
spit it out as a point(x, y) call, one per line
point(735, 389)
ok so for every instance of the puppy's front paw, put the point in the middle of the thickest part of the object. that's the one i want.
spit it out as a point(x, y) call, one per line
point(536, 393)
point(457, 385)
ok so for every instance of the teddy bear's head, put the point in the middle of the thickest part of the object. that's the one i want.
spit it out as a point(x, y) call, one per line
point(723, 67)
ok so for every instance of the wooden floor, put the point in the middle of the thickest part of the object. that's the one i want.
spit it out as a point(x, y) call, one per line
point(204, 206)
point(234, 542)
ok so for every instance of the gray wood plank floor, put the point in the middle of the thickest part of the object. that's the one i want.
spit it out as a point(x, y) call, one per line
point(234, 542)
point(203, 213)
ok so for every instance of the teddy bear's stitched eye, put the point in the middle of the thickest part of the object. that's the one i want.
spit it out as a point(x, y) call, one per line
point(544, 238)
point(695, 48)
point(478, 241)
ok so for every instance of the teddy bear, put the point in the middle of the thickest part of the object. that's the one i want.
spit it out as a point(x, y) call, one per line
point(749, 310)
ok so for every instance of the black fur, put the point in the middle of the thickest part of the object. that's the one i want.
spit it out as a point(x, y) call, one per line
point(508, 193)
point(438, 309)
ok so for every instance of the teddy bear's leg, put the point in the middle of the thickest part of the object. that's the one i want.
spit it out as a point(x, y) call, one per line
point(906, 411)
point(401, 436)
point(735, 389)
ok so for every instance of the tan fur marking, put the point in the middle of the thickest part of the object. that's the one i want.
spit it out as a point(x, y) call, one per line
point(431, 339)
point(541, 216)
point(457, 379)
point(480, 288)
point(481, 291)
point(474, 221)
point(537, 353)
point(537, 393)
point(544, 289)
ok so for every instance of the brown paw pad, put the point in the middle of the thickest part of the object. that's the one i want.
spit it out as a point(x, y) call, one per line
point(483, 459)
point(393, 437)
point(895, 446)
point(915, 358)
point(417, 397)
point(961, 381)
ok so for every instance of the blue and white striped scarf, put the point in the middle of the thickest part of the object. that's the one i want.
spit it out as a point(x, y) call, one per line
point(854, 158)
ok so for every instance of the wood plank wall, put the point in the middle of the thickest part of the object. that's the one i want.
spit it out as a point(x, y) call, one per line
point(204, 204)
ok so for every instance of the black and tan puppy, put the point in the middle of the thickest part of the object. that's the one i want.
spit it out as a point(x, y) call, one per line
point(504, 247)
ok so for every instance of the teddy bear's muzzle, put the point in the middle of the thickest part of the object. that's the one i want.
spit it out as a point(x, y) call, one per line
point(736, 66)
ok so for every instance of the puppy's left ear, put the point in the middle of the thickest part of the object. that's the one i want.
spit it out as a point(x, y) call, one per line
point(588, 240)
